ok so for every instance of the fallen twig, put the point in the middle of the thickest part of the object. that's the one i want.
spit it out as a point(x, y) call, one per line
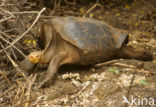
point(17, 93)
point(117, 63)
point(7, 5)
point(92, 8)
point(7, 12)
point(134, 67)
point(2, 20)
point(10, 37)
point(25, 12)
point(2, 73)
point(29, 89)
point(107, 63)
point(149, 5)
point(11, 88)
point(125, 65)
point(130, 87)
point(13, 46)
point(20, 104)
point(21, 87)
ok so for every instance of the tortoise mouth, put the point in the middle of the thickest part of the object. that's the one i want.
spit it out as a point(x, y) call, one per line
point(33, 59)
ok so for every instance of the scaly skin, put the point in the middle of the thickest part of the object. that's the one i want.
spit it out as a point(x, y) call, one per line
point(27, 66)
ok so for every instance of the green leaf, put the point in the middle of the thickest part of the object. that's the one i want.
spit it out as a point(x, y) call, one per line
point(114, 70)
point(143, 82)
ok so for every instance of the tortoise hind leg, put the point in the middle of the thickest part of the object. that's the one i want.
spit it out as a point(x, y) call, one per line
point(136, 51)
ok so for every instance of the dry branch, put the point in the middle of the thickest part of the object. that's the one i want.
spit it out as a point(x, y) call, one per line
point(21, 87)
point(149, 5)
point(20, 37)
point(13, 63)
point(6, 19)
point(134, 67)
point(106, 63)
point(3, 74)
point(7, 12)
point(25, 12)
point(29, 89)
point(13, 46)
point(11, 88)
point(92, 8)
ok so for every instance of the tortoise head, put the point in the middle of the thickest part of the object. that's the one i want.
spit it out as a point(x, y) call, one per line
point(35, 57)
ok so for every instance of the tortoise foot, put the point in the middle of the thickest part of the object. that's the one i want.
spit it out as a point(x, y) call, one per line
point(46, 83)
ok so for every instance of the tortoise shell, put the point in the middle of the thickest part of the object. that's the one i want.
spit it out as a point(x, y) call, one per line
point(87, 33)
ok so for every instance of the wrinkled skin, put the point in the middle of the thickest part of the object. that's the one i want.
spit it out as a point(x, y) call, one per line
point(27, 66)
point(66, 41)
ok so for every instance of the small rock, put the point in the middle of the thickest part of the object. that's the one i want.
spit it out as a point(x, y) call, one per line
point(92, 70)
point(70, 76)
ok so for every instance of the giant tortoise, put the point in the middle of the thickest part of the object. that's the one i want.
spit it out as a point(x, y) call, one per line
point(76, 40)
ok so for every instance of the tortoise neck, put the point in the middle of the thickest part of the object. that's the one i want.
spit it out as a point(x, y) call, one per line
point(51, 46)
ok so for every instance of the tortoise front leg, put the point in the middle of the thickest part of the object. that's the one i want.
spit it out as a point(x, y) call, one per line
point(54, 64)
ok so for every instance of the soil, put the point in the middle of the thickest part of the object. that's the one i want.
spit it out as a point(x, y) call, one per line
point(88, 86)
